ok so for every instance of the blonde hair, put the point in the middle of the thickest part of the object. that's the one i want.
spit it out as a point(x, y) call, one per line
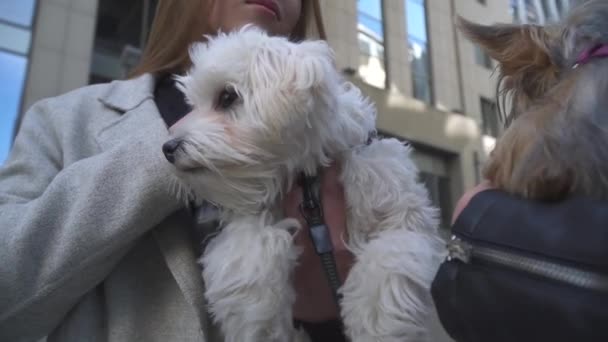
point(172, 33)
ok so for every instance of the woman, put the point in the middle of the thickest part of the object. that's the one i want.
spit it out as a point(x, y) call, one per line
point(94, 245)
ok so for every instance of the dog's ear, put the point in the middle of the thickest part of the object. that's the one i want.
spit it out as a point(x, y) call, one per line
point(292, 66)
point(311, 62)
point(528, 59)
point(515, 47)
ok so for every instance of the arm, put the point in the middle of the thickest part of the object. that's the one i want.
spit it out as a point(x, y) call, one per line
point(62, 230)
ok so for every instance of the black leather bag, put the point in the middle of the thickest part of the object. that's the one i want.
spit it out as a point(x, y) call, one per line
point(527, 272)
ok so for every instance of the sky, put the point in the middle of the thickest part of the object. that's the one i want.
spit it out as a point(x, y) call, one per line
point(12, 72)
point(15, 17)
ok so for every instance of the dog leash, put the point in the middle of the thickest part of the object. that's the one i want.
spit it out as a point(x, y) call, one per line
point(312, 211)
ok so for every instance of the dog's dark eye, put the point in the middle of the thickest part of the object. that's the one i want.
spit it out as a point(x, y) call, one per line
point(227, 97)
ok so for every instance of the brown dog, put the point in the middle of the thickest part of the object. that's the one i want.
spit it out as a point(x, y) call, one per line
point(555, 82)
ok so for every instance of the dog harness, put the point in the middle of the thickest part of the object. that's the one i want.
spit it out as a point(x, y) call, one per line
point(312, 211)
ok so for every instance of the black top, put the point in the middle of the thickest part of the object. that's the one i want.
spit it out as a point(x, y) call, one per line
point(172, 107)
point(170, 101)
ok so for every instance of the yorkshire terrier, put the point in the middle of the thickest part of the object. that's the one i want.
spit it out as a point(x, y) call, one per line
point(554, 80)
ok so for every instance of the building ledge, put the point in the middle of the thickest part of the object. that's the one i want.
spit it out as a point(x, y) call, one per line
point(413, 120)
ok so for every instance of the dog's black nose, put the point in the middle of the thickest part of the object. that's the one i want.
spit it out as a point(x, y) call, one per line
point(169, 149)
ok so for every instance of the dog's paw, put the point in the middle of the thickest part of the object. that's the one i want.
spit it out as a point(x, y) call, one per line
point(386, 296)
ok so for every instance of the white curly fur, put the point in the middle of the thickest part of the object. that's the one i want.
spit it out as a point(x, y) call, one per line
point(294, 114)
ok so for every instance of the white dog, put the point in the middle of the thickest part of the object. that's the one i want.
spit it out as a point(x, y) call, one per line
point(267, 109)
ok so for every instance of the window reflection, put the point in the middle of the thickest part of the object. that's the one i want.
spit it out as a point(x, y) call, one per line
point(119, 37)
point(489, 118)
point(371, 42)
point(18, 12)
point(418, 49)
point(16, 18)
point(14, 39)
point(12, 76)
point(440, 195)
point(482, 58)
point(540, 12)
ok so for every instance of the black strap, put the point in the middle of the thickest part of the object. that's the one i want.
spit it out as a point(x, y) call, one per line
point(312, 211)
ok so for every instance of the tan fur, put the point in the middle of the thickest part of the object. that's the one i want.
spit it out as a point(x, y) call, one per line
point(527, 69)
point(541, 175)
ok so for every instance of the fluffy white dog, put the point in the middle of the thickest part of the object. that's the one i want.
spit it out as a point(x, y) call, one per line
point(267, 109)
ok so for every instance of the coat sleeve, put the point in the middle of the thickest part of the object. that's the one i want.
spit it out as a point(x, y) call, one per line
point(62, 229)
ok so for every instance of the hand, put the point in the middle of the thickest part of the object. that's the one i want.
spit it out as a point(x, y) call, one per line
point(314, 299)
point(466, 198)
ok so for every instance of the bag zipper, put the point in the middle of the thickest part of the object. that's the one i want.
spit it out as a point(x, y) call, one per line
point(465, 251)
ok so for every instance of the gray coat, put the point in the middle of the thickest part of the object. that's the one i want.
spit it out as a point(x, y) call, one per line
point(93, 246)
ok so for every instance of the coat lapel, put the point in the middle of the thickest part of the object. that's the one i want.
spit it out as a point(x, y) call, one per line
point(177, 247)
point(138, 114)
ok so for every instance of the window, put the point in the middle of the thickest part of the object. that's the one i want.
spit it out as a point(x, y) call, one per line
point(15, 40)
point(370, 34)
point(482, 58)
point(18, 12)
point(562, 6)
point(418, 49)
point(439, 193)
point(538, 11)
point(489, 117)
point(513, 10)
point(119, 37)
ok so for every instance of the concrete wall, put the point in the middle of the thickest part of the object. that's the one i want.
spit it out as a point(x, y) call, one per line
point(62, 47)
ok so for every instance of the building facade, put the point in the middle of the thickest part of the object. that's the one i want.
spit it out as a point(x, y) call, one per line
point(432, 87)
point(540, 11)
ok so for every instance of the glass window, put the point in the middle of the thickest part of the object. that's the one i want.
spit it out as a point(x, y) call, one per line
point(19, 12)
point(538, 11)
point(489, 117)
point(440, 195)
point(562, 6)
point(16, 18)
point(14, 39)
point(416, 20)
point(370, 15)
point(513, 10)
point(12, 77)
point(119, 37)
point(545, 7)
point(418, 49)
point(371, 42)
point(482, 58)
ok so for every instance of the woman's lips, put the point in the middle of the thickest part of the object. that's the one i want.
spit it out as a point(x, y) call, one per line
point(269, 5)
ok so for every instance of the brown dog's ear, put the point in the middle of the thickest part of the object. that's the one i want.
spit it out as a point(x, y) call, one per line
point(515, 47)
point(529, 62)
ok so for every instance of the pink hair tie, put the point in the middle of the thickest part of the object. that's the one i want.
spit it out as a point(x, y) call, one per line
point(600, 50)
